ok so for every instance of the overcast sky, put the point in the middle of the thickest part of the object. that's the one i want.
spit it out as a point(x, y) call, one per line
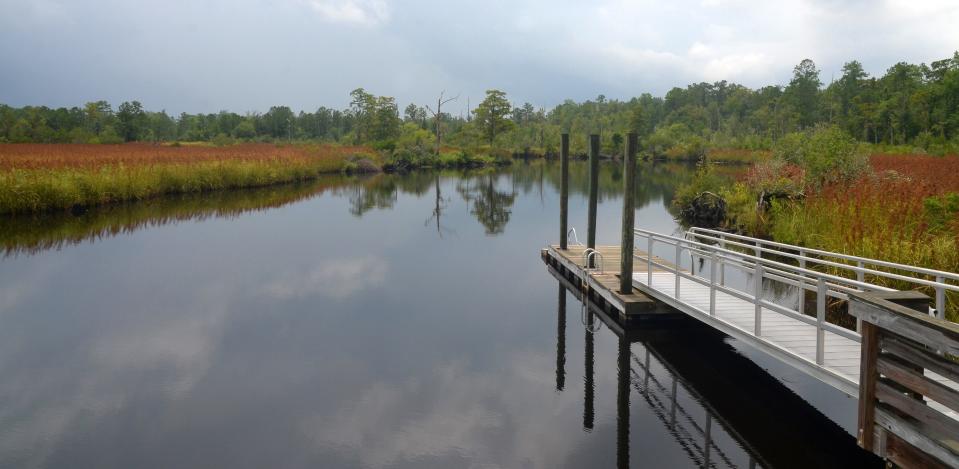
point(246, 55)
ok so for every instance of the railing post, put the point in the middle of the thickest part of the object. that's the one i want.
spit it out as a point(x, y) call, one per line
point(649, 261)
point(722, 267)
point(860, 275)
point(758, 294)
point(821, 293)
point(679, 250)
point(712, 283)
point(563, 190)
point(802, 259)
point(593, 191)
point(867, 384)
point(940, 299)
point(629, 215)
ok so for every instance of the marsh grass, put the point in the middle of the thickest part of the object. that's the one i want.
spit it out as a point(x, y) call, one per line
point(901, 213)
point(38, 178)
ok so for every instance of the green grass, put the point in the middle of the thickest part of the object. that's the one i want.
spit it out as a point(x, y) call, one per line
point(37, 190)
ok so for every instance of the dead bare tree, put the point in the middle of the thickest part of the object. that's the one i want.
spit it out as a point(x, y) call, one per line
point(437, 114)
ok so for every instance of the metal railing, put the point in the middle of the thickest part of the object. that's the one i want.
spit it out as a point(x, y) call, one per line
point(589, 260)
point(686, 430)
point(571, 234)
point(824, 285)
point(854, 265)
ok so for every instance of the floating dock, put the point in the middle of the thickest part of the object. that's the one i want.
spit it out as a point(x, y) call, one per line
point(601, 284)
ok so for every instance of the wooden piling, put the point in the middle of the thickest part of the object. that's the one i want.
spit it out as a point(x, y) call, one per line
point(593, 192)
point(629, 215)
point(563, 190)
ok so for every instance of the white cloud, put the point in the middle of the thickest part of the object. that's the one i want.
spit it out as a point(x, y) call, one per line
point(536, 50)
point(337, 279)
point(459, 410)
point(364, 12)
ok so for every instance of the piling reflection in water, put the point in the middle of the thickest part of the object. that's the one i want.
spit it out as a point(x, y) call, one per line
point(719, 407)
point(624, 378)
point(561, 340)
point(590, 386)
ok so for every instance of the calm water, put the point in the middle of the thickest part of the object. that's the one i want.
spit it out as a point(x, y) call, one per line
point(395, 321)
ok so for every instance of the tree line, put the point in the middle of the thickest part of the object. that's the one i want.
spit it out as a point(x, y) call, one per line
point(910, 105)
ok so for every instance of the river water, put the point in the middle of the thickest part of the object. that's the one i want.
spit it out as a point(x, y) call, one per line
point(384, 322)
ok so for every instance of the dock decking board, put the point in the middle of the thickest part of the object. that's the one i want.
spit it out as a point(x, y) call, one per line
point(794, 337)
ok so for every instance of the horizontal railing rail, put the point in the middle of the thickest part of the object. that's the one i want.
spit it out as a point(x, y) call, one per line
point(856, 265)
point(825, 285)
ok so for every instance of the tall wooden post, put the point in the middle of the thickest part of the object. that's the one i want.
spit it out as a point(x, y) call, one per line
point(869, 353)
point(593, 192)
point(629, 216)
point(563, 190)
point(869, 356)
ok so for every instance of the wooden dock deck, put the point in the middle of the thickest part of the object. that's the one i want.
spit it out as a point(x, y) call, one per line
point(602, 284)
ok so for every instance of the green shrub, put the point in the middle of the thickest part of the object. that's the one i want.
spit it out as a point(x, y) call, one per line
point(742, 209)
point(705, 180)
point(109, 136)
point(826, 153)
point(942, 210)
point(222, 140)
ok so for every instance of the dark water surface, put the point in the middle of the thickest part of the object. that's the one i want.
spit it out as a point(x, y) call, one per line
point(395, 321)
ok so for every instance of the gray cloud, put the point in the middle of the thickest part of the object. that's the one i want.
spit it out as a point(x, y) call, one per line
point(245, 55)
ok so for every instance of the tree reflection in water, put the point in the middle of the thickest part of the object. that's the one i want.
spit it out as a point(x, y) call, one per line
point(491, 206)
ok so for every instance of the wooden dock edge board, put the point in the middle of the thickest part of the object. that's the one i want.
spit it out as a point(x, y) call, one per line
point(636, 303)
point(595, 308)
point(626, 325)
point(834, 379)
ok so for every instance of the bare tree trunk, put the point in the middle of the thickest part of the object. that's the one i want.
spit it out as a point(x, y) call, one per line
point(437, 116)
